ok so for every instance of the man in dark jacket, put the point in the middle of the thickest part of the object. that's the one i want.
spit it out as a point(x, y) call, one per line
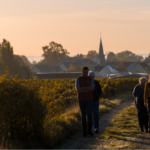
point(139, 104)
point(96, 95)
point(84, 87)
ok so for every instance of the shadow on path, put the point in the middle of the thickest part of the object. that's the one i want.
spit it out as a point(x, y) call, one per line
point(143, 141)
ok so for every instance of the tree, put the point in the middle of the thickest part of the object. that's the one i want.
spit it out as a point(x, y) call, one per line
point(74, 69)
point(124, 56)
point(26, 61)
point(34, 62)
point(121, 65)
point(148, 58)
point(22, 60)
point(79, 56)
point(128, 56)
point(110, 55)
point(139, 57)
point(114, 59)
point(14, 62)
point(53, 53)
point(92, 54)
point(6, 53)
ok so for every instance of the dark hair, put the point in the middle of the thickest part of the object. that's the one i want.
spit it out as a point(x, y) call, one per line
point(85, 68)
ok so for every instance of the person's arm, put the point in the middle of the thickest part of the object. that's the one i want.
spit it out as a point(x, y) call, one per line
point(145, 93)
point(99, 89)
point(78, 88)
point(91, 87)
point(134, 92)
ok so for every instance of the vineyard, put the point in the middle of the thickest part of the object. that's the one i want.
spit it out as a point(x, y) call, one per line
point(31, 110)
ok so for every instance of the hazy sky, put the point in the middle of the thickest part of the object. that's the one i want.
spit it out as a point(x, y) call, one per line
point(76, 24)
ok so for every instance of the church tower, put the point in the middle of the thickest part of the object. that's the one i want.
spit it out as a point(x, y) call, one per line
point(101, 55)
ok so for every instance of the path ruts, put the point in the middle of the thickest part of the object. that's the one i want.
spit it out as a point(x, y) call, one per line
point(79, 142)
point(143, 141)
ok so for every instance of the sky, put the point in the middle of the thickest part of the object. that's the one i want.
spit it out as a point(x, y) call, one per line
point(76, 24)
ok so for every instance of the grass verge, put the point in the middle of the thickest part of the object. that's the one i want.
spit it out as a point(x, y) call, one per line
point(123, 131)
point(107, 104)
point(69, 123)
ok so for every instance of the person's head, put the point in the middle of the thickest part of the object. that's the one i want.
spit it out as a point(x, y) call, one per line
point(85, 71)
point(92, 74)
point(142, 82)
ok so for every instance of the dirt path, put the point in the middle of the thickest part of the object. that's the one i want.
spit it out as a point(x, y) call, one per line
point(143, 141)
point(79, 142)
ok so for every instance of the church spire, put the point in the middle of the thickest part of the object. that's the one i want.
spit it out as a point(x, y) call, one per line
point(101, 55)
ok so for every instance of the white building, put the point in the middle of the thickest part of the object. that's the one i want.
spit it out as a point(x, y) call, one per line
point(106, 70)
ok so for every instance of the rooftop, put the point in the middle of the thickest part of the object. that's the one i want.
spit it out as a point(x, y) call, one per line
point(45, 68)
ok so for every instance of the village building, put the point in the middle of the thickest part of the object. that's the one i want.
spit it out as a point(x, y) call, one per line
point(86, 62)
point(128, 75)
point(101, 57)
point(102, 68)
point(120, 66)
point(77, 62)
point(45, 68)
point(138, 67)
point(66, 65)
point(106, 70)
point(97, 69)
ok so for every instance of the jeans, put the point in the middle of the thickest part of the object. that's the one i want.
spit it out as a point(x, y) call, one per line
point(96, 114)
point(143, 118)
point(86, 110)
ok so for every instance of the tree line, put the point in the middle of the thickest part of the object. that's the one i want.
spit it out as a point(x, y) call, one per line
point(15, 63)
point(52, 54)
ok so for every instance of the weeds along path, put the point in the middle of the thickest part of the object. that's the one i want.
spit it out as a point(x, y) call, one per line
point(79, 142)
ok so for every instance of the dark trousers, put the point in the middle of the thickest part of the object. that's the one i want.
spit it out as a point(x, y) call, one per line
point(143, 117)
point(148, 108)
point(96, 114)
point(86, 110)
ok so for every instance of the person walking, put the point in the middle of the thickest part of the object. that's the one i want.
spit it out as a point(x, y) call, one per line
point(147, 98)
point(96, 95)
point(84, 87)
point(138, 93)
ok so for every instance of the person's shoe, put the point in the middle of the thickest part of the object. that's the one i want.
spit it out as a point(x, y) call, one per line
point(96, 130)
point(90, 134)
point(84, 134)
point(142, 130)
point(146, 130)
